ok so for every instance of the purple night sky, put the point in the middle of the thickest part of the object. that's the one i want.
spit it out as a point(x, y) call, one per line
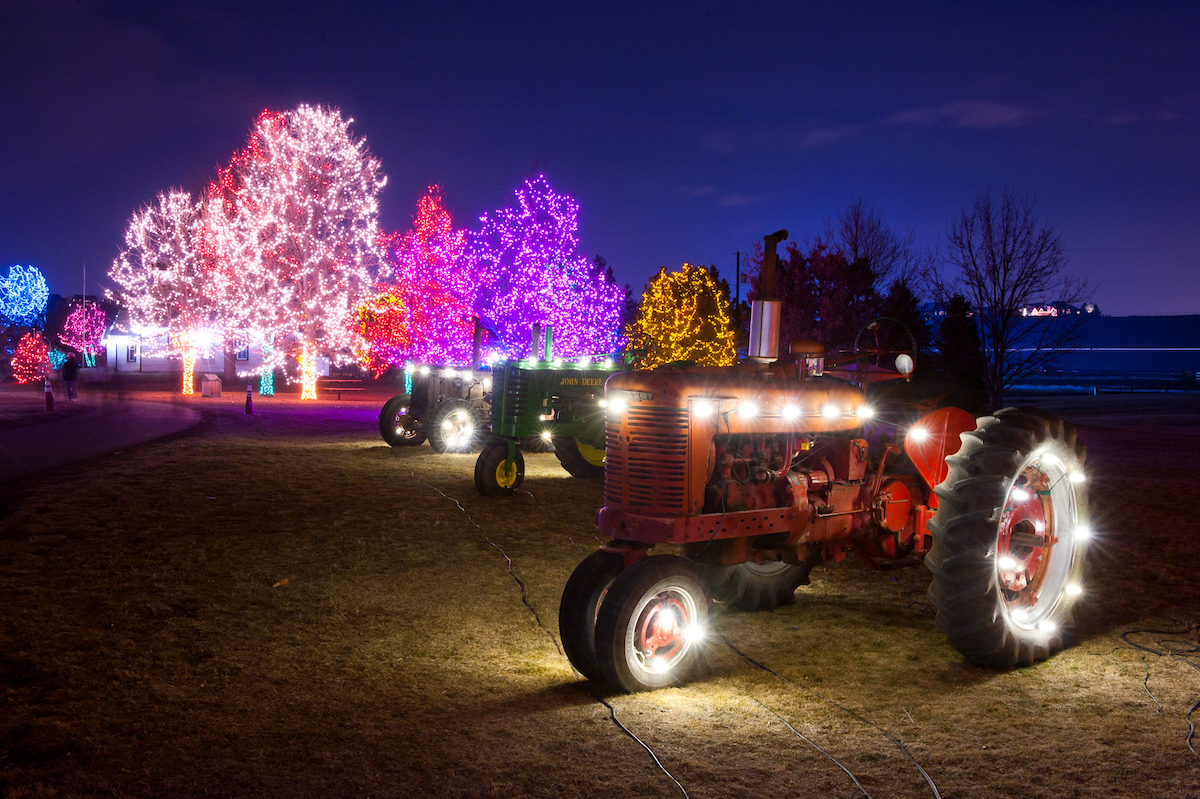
point(685, 134)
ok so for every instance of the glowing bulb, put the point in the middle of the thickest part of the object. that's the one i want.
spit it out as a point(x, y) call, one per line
point(1006, 563)
point(409, 368)
point(1019, 495)
point(1020, 614)
point(450, 373)
point(608, 363)
point(603, 403)
point(616, 405)
point(1083, 532)
point(424, 370)
point(748, 410)
point(865, 411)
point(791, 411)
point(693, 633)
point(487, 384)
point(1078, 477)
point(918, 434)
point(1048, 626)
point(831, 411)
point(1074, 589)
point(556, 363)
point(546, 435)
point(658, 665)
point(702, 409)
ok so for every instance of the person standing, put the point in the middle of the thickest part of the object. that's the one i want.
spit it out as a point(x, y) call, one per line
point(70, 373)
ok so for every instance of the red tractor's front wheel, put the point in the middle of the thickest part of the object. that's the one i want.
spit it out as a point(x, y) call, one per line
point(652, 623)
point(581, 599)
point(1010, 538)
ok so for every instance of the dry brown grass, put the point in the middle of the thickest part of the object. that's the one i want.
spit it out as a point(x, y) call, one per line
point(280, 605)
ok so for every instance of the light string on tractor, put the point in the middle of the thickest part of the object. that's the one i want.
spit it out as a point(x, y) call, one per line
point(841, 707)
point(813, 744)
point(1174, 649)
point(612, 711)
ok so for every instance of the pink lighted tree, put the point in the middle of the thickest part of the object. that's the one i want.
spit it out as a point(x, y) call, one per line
point(297, 233)
point(525, 259)
point(83, 329)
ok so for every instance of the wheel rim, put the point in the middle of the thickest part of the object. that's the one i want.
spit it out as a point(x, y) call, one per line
point(767, 568)
point(458, 429)
point(593, 455)
point(1037, 540)
point(402, 429)
point(506, 478)
point(663, 631)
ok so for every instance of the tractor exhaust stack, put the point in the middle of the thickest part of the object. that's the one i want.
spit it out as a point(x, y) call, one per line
point(766, 311)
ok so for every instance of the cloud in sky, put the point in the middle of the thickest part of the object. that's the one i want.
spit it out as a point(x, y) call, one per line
point(972, 114)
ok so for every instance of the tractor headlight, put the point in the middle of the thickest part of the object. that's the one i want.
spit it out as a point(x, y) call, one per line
point(831, 411)
point(748, 410)
point(616, 406)
point(702, 409)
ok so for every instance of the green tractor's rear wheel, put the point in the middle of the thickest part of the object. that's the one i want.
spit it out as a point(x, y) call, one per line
point(580, 459)
point(493, 476)
point(454, 427)
point(581, 600)
point(396, 426)
point(651, 624)
point(1010, 538)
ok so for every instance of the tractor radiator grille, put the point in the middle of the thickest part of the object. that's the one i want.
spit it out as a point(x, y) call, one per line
point(646, 465)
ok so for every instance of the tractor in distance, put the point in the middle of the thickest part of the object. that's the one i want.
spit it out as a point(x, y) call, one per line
point(544, 401)
point(539, 404)
point(761, 471)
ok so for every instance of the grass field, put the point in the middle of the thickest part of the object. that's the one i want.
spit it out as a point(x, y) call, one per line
point(280, 605)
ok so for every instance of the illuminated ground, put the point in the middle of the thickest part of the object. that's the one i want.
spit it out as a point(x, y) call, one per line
point(280, 605)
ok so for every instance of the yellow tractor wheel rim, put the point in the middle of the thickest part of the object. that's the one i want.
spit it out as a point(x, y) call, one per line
point(591, 454)
point(505, 478)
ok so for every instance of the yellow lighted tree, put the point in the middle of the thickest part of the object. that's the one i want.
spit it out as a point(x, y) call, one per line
point(683, 316)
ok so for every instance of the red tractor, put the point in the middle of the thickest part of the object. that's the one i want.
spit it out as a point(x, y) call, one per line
point(760, 472)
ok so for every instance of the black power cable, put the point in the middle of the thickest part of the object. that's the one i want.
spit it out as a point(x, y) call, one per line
point(843, 708)
point(1174, 648)
point(612, 712)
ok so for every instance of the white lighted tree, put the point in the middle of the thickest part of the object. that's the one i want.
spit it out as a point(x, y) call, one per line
point(164, 275)
point(298, 232)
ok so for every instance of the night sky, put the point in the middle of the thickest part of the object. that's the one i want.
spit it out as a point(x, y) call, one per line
point(684, 133)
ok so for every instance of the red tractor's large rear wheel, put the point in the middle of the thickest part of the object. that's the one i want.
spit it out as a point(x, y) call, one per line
point(651, 624)
point(1010, 538)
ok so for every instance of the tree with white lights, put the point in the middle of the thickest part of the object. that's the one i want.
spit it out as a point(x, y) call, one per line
point(298, 233)
point(164, 277)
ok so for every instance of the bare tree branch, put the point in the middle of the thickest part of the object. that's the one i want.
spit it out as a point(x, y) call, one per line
point(1006, 258)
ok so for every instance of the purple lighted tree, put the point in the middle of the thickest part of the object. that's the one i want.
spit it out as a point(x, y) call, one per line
point(526, 261)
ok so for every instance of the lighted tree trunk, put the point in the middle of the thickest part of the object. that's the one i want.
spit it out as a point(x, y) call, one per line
point(189, 369)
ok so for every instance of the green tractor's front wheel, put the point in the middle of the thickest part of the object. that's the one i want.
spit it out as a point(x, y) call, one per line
point(494, 476)
point(580, 459)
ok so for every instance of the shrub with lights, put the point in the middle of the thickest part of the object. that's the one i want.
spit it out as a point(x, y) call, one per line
point(683, 316)
point(23, 296)
point(31, 360)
